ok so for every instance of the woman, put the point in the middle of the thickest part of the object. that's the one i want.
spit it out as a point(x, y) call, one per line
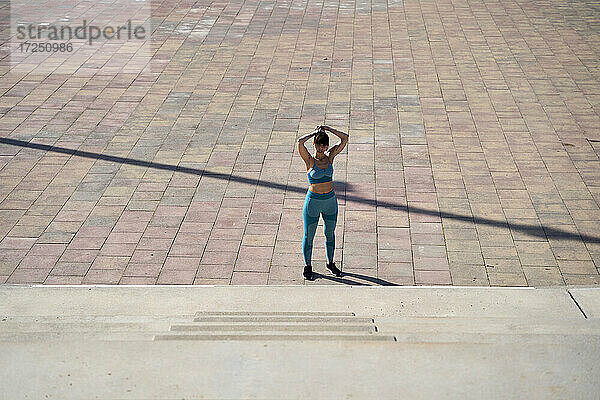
point(320, 198)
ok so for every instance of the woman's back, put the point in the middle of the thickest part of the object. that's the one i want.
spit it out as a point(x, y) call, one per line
point(321, 177)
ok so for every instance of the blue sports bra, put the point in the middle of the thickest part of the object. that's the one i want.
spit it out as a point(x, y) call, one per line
point(319, 175)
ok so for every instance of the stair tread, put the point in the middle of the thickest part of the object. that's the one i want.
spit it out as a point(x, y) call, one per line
point(275, 313)
point(272, 327)
point(269, 336)
point(282, 319)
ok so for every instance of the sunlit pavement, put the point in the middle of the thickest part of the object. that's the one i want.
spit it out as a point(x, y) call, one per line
point(473, 154)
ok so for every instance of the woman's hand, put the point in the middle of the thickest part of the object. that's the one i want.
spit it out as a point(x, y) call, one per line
point(340, 134)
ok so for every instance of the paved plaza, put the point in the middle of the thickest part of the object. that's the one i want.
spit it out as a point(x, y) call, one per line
point(473, 156)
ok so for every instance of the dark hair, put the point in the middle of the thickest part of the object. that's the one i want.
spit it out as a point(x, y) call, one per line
point(322, 138)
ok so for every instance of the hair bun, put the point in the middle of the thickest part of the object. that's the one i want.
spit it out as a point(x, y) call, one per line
point(322, 138)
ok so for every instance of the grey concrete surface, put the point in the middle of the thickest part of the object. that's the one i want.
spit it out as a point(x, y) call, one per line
point(489, 326)
point(364, 301)
point(296, 370)
point(107, 342)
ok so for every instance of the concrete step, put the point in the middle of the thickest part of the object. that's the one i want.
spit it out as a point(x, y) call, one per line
point(264, 325)
point(273, 313)
point(127, 336)
point(415, 338)
point(302, 327)
point(269, 336)
point(179, 324)
point(281, 319)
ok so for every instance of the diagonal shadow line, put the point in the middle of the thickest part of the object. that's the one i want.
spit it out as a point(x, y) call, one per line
point(532, 230)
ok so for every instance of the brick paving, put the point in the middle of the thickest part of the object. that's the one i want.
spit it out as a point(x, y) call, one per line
point(473, 156)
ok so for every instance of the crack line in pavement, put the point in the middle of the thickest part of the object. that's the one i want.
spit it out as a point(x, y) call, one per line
point(576, 303)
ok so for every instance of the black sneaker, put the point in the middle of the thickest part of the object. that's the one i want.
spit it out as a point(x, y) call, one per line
point(334, 270)
point(308, 273)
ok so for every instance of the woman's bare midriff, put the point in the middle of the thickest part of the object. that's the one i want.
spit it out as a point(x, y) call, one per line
point(323, 187)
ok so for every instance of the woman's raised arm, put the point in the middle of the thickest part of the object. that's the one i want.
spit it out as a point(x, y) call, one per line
point(302, 148)
point(335, 150)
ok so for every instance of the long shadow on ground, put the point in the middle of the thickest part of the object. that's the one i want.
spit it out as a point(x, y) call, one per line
point(532, 230)
point(344, 279)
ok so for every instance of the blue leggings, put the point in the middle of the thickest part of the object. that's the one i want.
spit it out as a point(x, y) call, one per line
point(316, 204)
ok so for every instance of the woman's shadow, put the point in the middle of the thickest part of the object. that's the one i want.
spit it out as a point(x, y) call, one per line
point(347, 281)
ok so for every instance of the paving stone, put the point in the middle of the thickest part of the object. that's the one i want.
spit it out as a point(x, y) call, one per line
point(124, 237)
point(433, 278)
point(506, 279)
point(503, 265)
point(29, 231)
point(281, 282)
point(581, 280)
point(543, 276)
point(535, 253)
point(395, 269)
point(110, 262)
point(181, 264)
point(258, 240)
point(117, 249)
point(577, 267)
point(176, 277)
point(38, 261)
point(249, 278)
point(499, 252)
point(63, 280)
point(472, 246)
point(385, 280)
point(69, 269)
point(359, 261)
point(218, 257)
point(15, 243)
point(469, 275)
point(29, 275)
point(204, 281)
point(431, 264)
point(461, 257)
point(222, 245)
point(141, 269)
point(136, 280)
